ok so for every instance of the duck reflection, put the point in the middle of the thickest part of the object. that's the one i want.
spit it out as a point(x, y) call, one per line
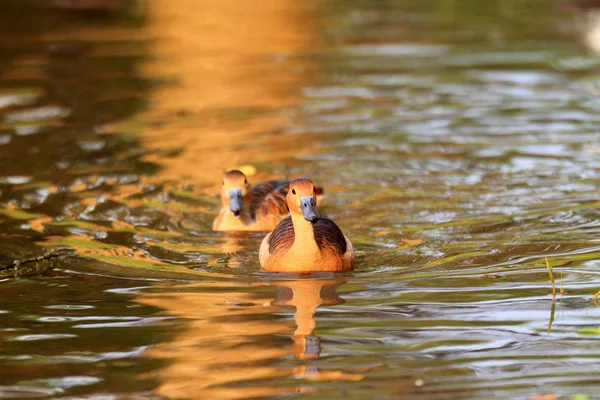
point(306, 295)
point(233, 337)
point(233, 247)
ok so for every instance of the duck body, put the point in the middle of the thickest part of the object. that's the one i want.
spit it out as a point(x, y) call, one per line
point(305, 241)
point(250, 208)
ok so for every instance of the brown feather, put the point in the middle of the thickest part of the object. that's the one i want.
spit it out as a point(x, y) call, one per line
point(268, 198)
point(328, 235)
point(282, 237)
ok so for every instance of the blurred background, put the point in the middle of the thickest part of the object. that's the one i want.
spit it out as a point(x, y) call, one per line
point(457, 142)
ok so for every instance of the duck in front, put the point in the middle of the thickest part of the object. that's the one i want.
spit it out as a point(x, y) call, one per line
point(305, 241)
point(247, 208)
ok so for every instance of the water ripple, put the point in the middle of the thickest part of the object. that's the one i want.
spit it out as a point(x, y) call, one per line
point(39, 337)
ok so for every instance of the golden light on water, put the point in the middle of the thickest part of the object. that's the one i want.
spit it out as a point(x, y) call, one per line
point(217, 57)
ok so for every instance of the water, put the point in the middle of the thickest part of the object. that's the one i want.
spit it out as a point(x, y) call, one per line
point(457, 142)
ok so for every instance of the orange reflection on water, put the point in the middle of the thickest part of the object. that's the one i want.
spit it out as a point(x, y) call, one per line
point(228, 69)
point(232, 338)
point(227, 64)
point(220, 344)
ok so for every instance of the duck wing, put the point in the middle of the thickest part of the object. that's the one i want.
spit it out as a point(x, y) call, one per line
point(329, 236)
point(268, 198)
point(282, 237)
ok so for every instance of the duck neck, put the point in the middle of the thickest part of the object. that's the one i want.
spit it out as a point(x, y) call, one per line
point(304, 235)
point(231, 220)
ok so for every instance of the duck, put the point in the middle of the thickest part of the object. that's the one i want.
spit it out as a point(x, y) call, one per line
point(250, 208)
point(305, 241)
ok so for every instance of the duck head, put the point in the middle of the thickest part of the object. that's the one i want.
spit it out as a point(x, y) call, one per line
point(302, 199)
point(235, 188)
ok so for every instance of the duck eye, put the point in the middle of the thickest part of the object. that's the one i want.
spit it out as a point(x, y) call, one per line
point(293, 191)
point(245, 181)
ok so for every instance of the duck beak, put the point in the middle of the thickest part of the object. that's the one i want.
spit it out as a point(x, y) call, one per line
point(307, 207)
point(235, 201)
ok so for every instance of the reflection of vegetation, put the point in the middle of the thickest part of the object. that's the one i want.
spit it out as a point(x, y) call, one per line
point(16, 214)
point(499, 22)
point(31, 266)
point(589, 331)
point(551, 277)
point(63, 76)
point(551, 319)
point(35, 16)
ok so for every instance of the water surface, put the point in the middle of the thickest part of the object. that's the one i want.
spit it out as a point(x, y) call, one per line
point(457, 142)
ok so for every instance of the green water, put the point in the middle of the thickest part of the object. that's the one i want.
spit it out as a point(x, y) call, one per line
point(457, 142)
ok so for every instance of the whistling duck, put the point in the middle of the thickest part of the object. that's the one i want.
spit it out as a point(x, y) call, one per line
point(305, 241)
point(250, 208)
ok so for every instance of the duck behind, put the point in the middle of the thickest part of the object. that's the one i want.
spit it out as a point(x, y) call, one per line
point(305, 241)
point(247, 208)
